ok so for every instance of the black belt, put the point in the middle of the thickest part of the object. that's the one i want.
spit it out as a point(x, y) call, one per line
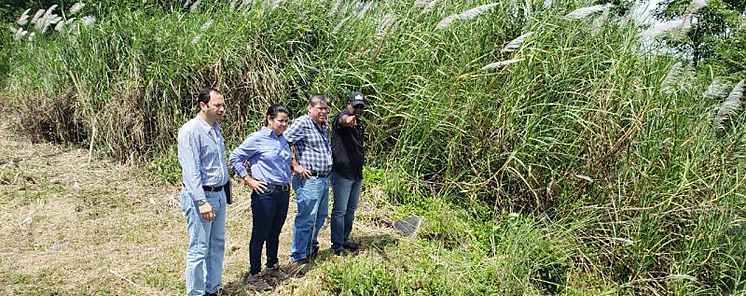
point(320, 175)
point(213, 189)
point(285, 187)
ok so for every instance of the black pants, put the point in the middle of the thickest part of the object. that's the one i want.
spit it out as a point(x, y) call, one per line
point(269, 210)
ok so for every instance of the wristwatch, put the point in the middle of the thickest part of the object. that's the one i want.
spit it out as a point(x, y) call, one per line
point(201, 202)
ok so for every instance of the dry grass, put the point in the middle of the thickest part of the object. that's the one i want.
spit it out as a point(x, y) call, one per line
point(75, 227)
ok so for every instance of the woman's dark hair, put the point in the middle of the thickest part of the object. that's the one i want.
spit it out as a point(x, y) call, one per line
point(272, 112)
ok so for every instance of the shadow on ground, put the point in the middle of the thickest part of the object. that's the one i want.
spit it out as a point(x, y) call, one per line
point(369, 243)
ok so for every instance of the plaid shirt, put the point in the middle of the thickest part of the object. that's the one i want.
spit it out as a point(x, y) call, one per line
point(312, 145)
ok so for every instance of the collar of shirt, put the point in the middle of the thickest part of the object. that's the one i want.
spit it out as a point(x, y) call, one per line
point(203, 124)
point(270, 133)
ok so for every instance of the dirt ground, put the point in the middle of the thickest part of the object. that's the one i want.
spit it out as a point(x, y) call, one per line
point(79, 227)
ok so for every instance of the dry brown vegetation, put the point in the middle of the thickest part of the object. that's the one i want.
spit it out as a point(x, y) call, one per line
point(77, 227)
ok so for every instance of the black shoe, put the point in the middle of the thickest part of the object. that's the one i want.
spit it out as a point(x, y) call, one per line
point(341, 252)
point(314, 253)
point(351, 246)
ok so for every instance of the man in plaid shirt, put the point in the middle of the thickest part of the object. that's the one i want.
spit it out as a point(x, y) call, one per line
point(312, 163)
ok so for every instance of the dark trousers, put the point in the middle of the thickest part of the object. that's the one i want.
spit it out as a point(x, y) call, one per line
point(269, 210)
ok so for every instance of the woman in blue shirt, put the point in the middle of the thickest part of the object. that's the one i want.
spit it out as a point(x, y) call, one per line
point(269, 158)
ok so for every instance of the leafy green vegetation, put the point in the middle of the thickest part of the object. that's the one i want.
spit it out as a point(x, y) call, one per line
point(573, 170)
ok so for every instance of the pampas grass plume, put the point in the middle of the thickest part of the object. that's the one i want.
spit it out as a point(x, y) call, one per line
point(24, 18)
point(586, 11)
point(662, 27)
point(76, 8)
point(466, 15)
point(88, 20)
point(672, 76)
point(516, 43)
point(729, 107)
point(500, 64)
point(206, 25)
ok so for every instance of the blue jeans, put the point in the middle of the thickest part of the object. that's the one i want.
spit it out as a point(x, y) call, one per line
point(268, 213)
point(312, 197)
point(204, 257)
point(346, 197)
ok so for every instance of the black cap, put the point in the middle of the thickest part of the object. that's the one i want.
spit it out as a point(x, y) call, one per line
point(357, 98)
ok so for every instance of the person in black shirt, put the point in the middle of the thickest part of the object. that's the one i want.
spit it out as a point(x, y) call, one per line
point(347, 172)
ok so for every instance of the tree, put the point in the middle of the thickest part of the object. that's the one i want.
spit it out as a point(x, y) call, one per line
point(715, 27)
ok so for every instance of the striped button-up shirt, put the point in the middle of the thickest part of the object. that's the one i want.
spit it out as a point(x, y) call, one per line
point(313, 148)
point(202, 157)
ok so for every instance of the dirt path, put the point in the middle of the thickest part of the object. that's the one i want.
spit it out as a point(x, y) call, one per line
point(100, 227)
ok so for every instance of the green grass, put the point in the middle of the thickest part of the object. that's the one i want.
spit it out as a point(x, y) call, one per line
point(462, 147)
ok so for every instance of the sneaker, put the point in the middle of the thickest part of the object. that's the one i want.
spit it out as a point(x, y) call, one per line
point(351, 246)
point(341, 252)
point(276, 273)
point(297, 268)
point(257, 284)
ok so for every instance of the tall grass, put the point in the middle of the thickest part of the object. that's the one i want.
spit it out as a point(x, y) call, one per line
point(646, 196)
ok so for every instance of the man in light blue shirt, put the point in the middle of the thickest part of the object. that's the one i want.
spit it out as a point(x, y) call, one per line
point(203, 199)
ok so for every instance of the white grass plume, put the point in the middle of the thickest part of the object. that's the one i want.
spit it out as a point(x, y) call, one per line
point(24, 18)
point(37, 16)
point(335, 8)
point(696, 5)
point(682, 277)
point(466, 15)
point(187, 4)
point(600, 21)
point(624, 240)
point(338, 27)
point(270, 5)
point(50, 10)
point(716, 89)
point(426, 5)
point(361, 14)
point(206, 25)
point(421, 3)
point(19, 33)
point(195, 5)
point(474, 12)
point(233, 5)
point(430, 6)
point(88, 20)
point(275, 4)
point(47, 21)
point(516, 43)
point(245, 6)
point(586, 11)
point(70, 21)
point(59, 27)
point(31, 36)
point(500, 64)
point(196, 39)
point(667, 86)
point(386, 25)
point(729, 107)
point(76, 8)
point(662, 27)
